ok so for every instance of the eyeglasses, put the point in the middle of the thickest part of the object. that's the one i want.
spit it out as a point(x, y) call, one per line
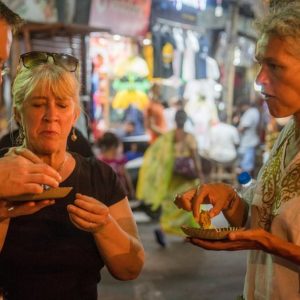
point(35, 58)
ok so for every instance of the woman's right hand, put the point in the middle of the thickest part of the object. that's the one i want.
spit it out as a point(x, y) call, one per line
point(22, 172)
point(10, 209)
point(219, 195)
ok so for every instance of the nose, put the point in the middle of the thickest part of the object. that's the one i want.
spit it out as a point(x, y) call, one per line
point(50, 113)
point(262, 77)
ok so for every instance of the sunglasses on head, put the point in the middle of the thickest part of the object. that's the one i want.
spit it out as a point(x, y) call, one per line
point(35, 58)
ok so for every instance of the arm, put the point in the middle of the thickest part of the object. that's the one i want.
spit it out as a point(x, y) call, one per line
point(270, 243)
point(255, 239)
point(10, 210)
point(115, 233)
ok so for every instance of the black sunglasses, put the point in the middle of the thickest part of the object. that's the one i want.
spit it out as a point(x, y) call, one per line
point(35, 58)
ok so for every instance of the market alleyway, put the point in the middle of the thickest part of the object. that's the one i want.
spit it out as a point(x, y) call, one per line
point(179, 272)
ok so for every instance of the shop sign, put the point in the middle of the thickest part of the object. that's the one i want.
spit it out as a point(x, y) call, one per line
point(125, 17)
point(44, 11)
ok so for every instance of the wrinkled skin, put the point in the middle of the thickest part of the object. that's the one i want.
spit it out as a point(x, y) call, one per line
point(217, 194)
point(257, 239)
point(22, 172)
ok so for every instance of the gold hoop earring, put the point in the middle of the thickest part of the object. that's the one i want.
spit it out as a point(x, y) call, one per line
point(73, 136)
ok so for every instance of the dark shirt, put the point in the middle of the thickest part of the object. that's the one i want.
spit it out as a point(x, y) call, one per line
point(45, 256)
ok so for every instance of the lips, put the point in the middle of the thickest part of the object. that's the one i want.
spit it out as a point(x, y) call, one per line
point(267, 96)
point(49, 133)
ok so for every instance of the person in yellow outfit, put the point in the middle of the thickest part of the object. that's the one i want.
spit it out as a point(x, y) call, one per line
point(158, 181)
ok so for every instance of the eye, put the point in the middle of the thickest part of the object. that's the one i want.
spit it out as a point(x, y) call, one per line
point(37, 104)
point(274, 67)
point(62, 105)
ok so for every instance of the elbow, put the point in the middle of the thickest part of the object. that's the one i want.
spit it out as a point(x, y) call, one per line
point(126, 267)
point(129, 272)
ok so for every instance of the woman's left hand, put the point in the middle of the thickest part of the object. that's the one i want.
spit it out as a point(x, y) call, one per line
point(257, 239)
point(88, 214)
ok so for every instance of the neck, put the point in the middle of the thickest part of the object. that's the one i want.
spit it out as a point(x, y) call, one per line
point(57, 162)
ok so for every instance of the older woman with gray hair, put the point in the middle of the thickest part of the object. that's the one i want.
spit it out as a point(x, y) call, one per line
point(58, 250)
point(274, 234)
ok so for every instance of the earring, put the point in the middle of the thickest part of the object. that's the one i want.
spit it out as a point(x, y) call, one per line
point(73, 135)
point(21, 136)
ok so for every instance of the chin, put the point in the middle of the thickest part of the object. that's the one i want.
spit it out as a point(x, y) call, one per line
point(47, 150)
point(279, 114)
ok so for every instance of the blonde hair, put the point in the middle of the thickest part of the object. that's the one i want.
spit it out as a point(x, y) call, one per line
point(47, 77)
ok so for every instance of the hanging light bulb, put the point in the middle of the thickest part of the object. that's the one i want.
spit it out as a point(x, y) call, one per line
point(219, 9)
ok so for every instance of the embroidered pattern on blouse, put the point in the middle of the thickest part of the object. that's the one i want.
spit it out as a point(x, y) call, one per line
point(277, 187)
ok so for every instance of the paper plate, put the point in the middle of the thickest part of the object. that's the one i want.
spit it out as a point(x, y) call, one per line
point(209, 234)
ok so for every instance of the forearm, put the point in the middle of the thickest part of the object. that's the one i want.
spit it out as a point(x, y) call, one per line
point(237, 213)
point(282, 248)
point(123, 253)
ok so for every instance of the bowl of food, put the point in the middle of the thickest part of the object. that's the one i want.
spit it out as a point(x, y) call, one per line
point(206, 230)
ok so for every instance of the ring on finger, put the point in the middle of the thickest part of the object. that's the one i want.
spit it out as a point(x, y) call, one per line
point(11, 208)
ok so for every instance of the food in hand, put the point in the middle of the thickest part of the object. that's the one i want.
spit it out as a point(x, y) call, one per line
point(204, 220)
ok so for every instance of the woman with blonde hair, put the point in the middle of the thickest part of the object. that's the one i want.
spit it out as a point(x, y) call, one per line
point(58, 250)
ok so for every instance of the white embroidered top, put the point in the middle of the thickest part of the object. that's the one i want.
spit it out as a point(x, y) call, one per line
point(276, 208)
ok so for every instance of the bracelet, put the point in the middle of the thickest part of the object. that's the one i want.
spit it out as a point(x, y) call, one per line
point(231, 201)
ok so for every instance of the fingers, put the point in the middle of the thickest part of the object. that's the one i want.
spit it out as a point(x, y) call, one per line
point(27, 154)
point(221, 245)
point(250, 235)
point(184, 200)
point(197, 200)
point(88, 213)
point(43, 174)
point(15, 209)
point(35, 164)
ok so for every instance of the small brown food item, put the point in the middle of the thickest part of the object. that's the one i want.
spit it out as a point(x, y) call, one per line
point(204, 220)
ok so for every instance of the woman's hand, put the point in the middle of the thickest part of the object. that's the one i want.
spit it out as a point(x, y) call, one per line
point(22, 172)
point(10, 209)
point(217, 194)
point(88, 214)
point(257, 239)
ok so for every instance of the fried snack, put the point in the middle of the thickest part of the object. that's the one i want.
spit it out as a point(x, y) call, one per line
point(204, 220)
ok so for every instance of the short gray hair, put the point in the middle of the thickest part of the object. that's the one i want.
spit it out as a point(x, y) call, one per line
point(282, 21)
point(277, 3)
